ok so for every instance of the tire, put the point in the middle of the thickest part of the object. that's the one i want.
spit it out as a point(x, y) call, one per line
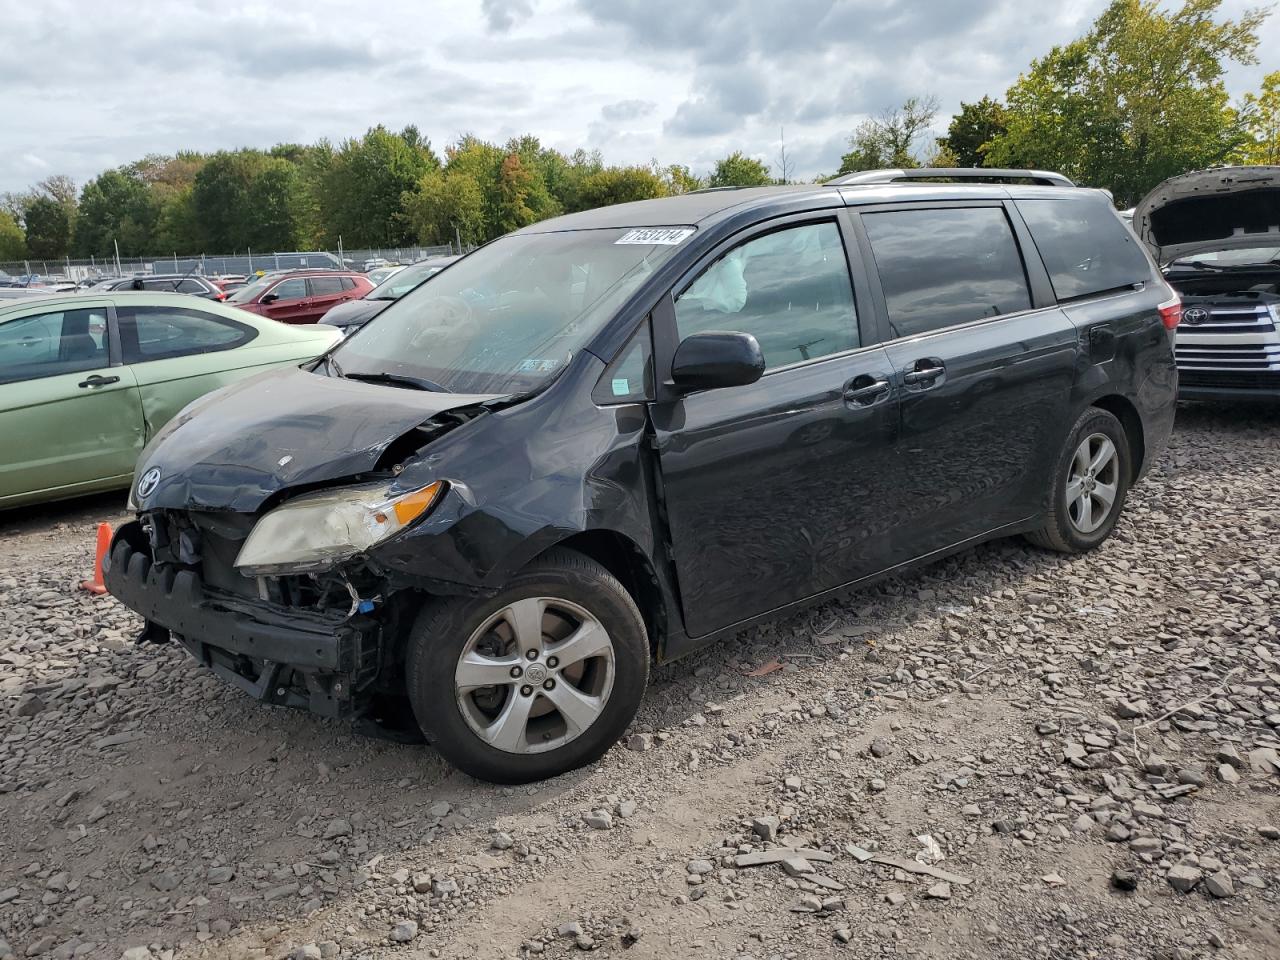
point(1063, 528)
point(482, 728)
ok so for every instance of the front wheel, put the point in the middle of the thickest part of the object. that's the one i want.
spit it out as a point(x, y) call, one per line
point(536, 681)
point(1089, 484)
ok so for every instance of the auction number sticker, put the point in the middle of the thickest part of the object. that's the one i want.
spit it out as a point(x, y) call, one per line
point(657, 236)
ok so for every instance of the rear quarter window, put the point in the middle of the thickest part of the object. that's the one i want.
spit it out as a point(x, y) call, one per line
point(1084, 246)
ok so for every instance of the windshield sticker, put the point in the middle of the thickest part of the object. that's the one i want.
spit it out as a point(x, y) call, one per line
point(657, 236)
point(621, 386)
point(536, 365)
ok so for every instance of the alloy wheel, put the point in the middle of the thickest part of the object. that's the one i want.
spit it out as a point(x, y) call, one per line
point(535, 675)
point(1092, 482)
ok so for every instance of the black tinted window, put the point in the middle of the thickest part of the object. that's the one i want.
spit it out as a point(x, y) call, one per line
point(1085, 247)
point(294, 289)
point(323, 286)
point(943, 267)
point(156, 333)
point(49, 344)
point(191, 286)
point(789, 289)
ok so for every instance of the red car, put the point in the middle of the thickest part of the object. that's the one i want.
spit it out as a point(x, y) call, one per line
point(300, 296)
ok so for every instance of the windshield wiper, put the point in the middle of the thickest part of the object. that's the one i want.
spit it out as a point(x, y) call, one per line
point(395, 379)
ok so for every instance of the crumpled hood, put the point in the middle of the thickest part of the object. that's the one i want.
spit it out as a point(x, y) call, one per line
point(1226, 208)
point(234, 448)
point(354, 312)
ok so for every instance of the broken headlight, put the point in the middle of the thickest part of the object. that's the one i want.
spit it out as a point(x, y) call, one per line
point(315, 530)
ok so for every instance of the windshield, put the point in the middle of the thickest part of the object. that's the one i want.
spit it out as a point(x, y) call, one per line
point(1253, 256)
point(402, 281)
point(508, 317)
point(246, 294)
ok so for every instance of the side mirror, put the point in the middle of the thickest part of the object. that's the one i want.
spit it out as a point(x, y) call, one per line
point(707, 361)
point(270, 298)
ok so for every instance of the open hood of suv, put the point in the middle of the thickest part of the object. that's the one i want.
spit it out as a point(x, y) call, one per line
point(1226, 208)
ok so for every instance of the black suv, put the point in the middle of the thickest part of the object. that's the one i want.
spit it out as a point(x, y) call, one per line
point(613, 437)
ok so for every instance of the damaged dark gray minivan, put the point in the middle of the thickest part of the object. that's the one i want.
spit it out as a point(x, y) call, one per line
point(610, 438)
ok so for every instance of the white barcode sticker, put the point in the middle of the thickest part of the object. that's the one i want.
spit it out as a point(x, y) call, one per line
point(657, 236)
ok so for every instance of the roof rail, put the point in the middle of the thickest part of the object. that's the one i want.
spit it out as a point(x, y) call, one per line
point(1044, 178)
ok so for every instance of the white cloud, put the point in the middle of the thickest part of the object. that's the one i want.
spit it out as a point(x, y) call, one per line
point(680, 81)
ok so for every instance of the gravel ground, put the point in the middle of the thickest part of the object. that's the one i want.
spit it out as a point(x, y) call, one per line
point(1010, 755)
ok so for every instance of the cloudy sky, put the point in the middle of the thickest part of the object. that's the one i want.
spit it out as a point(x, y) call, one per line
point(85, 86)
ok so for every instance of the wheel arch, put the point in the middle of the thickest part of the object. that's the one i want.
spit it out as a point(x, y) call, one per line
point(624, 558)
point(1123, 409)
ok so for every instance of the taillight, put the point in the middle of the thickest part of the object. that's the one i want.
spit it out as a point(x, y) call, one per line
point(220, 295)
point(1171, 312)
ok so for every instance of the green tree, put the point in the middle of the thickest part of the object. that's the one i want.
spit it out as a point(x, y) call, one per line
point(739, 170)
point(274, 198)
point(13, 243)
point(178, 227)
point(116, 207)
point(222, 201)
point(1260, 116)
point(680, 179)
point(48, 228)
point(889, 141)
point(447, 206)
point(1138, 99)
point(362, 189)
point(620, 185)
point(972, 130)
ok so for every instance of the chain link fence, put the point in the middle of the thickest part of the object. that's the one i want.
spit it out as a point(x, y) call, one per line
point(214, 265)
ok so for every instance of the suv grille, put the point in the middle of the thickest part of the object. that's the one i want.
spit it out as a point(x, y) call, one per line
point(1193, 355)
point(1230, 318)
point(1262, 380)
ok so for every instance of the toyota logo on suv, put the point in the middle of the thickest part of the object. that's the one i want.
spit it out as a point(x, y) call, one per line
point(1195, 315)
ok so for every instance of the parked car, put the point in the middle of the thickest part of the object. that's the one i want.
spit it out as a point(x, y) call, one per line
point(86, 380)
point(196, 286)
point(373, 263)
point(381, 273)
point(1214, 232)
point(300, 296)
point(613, 437)
point(352, 315)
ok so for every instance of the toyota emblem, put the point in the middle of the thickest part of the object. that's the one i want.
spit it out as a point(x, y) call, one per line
point(147, 485)
point(1194, 315)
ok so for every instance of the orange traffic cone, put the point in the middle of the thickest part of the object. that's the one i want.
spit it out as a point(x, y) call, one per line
point(104, 544)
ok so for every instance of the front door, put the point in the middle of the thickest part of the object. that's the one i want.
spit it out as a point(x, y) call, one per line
point(69, 418)
point(292, 302)
point(985, 375)
point(781, 489)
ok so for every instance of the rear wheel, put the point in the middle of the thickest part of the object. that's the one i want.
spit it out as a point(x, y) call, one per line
point(536, 681)
point(1090, 482)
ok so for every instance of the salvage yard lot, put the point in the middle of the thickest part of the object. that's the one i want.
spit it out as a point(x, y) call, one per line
point(998, 704)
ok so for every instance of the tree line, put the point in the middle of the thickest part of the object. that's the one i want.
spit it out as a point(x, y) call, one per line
point(1137, 99)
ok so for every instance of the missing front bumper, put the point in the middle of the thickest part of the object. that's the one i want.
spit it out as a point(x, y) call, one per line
point(316, 661)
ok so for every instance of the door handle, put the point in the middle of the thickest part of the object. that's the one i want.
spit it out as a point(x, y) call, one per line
point(866, 390)
point(98, 381)
point(925, 373)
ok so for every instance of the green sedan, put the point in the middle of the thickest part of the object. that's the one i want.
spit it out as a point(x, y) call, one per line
point(87, 380)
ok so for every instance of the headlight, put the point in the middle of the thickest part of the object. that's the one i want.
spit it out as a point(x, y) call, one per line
point(313, 531)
